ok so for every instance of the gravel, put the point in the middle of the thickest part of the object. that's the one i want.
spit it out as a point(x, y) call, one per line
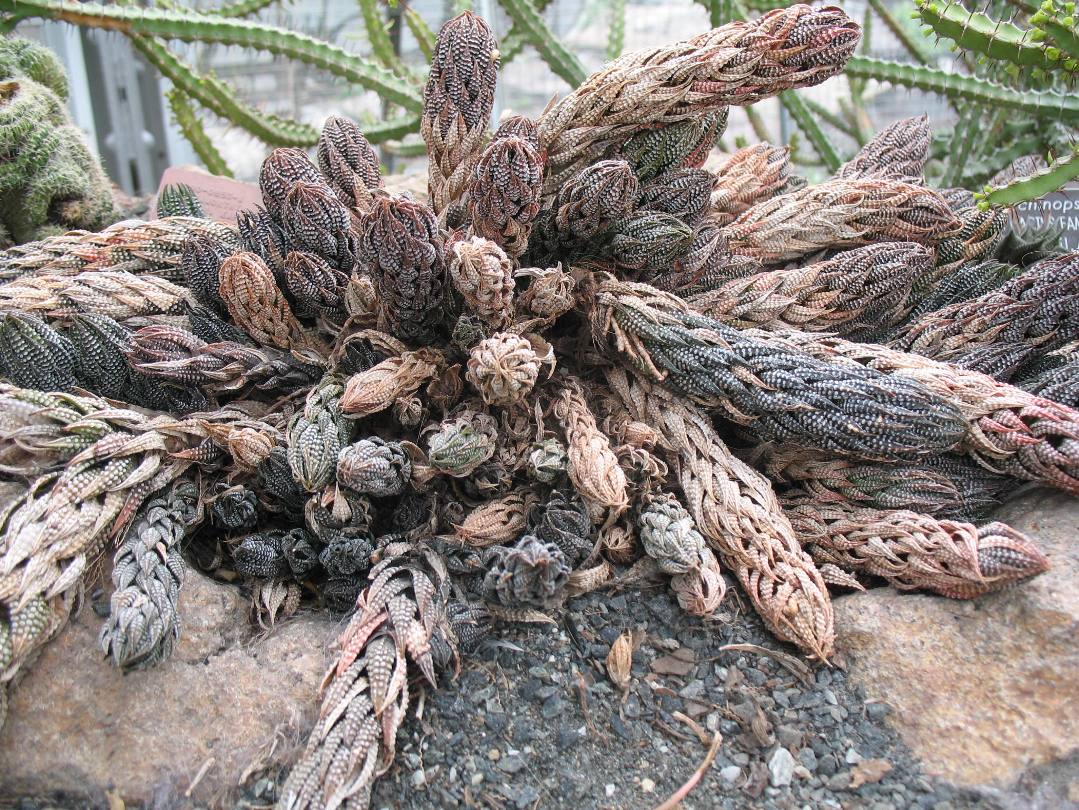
point(532, 721)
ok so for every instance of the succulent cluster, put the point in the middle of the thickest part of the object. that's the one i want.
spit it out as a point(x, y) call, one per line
point(439, 413)
point(50, 180)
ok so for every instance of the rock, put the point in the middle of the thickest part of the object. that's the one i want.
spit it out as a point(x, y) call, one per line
point(877, 711)
point(980, 691)
point(77, 725)
point(525, 797)
point(730, 773)
point(789, 737)
point(511, 764)
point(780, 767)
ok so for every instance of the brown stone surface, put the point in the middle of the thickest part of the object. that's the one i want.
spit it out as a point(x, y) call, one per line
point(979, 690)
point(76, 725)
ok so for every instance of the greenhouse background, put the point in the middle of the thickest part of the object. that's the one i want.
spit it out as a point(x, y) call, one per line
point(118, 100)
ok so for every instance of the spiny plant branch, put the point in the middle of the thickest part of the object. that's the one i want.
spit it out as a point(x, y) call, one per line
point(192, 129)
point(193, 27)
point(527, 16)
point(1025, 189)
point(217, 97)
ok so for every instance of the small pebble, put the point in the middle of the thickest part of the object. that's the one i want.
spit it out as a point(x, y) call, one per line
point(877, 711)
point(511, 764)
point(608, 789)
point(841, 781)
point(780, 767)
point(526, 797)
point(647, 785)
point(552, 708)
point(731, 773)
point(494, 755)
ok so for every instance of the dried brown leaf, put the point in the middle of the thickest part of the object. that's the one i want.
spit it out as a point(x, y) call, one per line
point(620, 660)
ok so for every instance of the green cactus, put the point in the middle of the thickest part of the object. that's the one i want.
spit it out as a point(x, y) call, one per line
point(616, 36)
point(34, 61)
point(1023, 64)
point(1023, 189)
point(149, 29)
point(221, 100)
point(183, 113)
point(526, 15)
point(794, 105)
point(1055, 23)
point(50, 182)
point(1045, 103)
point(978, 32)
point(425, 37)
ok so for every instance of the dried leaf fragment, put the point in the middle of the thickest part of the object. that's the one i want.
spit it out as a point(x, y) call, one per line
point(620, 660)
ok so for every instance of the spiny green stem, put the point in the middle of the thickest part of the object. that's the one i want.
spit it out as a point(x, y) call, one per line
point(954, 86)
point(857, 86)
point(221, 100)
point(1061, 31)
point(715, 11)
point(240, 8)
point(391, 129)
point(192, 129)
point(977, 32)
point(1024, 189)
point(990, 133)
point(191, 27)
point(830, 118)
point(857, 119)
point(760, 129)
point(616, 37)
point(425, 37)
point(809, 126)
point(564, 64)
point(515, 40)
point(963, 136)
point(379, 37)
point(978, 172)
point(407, 149)
point(908, 40)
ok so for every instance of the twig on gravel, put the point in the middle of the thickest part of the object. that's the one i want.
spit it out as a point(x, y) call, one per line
point(680, 794)
point(582, 693)
point(198, 776)
point(670, 731)
point(696, 727)
point(796, 667)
